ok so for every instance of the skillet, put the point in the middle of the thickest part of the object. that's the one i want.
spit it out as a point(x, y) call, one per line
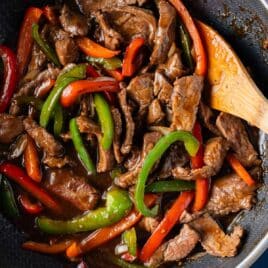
point(244, 24)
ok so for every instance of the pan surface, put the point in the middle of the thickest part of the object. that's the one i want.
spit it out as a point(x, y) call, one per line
point(244, 23)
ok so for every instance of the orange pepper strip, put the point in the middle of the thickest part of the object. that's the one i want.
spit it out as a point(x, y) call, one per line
point(170, 219)
point(31, 160)
point(240, 170)
point(201, 58)
point(128, 67)
point(116, 74)
point(75, 89)
point(106, 234)
point(44, 88)
point(201, 184)
point(25, 42)
point(46, 248)
point(90, 48)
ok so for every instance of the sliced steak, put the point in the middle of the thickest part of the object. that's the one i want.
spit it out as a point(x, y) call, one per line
point(108, 36)
point(230, 194)
point(162, 88)
point(149, 224)
point(165, 34)
point(117, 134)
point(233, 129)
point(10, 127)
point(130, 177)
point(129, 123)
point(87, 6)
point(185, 100)
point(214, 240)
point(72, 22)
point(132, 22)
point(175, 249)
point(209, 118)
point(214, 155)
point(155, 113)
point(38, 59)
point(73, 189)
point(57, 162)
point(42, 138)
point(105, 157)
point(140, 89)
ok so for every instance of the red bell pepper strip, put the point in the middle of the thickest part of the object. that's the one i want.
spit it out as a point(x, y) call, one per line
point(116, 74)
point(46, 248)
point(31, 160)
point(103, 235)
point(240, 170)
point(44, 88)
point(10, 76)
point(90, 48)
point(170, 219)
point(50, 15)
point(25, 43)
point(77, 88)
point(129, 67)
point(201, 184)
point(19, 176)
point(29, 206)
point(200, 53)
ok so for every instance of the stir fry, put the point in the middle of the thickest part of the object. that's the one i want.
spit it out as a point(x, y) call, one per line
point(109, 149)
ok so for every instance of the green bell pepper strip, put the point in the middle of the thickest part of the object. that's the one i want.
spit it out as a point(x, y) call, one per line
point(7, 199)
point(58, 120)
point(191, 145)
point(108, 64)
point(121, 263)
point(44, 46)
point(118, 204)
point(186, 46)
point(129, 238)
point(106, 120)
point(80, 147)
point(76, 73)
point(170, 186)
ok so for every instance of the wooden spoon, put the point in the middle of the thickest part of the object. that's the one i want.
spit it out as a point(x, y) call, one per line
point(232, 89)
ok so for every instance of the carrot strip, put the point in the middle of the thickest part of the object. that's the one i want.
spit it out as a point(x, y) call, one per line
point(31, 160)
point(240, 170)
point(170, 219)
point(201, 58)
point(90, 48)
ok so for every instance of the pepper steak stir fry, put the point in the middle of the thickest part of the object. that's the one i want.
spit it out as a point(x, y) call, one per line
point(107, 143)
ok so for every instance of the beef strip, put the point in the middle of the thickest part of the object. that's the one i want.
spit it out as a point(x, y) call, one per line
point(130, 177)
point(87, 6)
point(185, 100)
point(233, 129)
point(176, 248)
point(42, 138)
point(108, 36)
point(162, 87)
point(10, 127)
point(29, 87)
point(117, 134)
point(155, 113)
point(140, 89)
point(105, 158)
point(173, 67)
point(165, 34)
point(66, 185)
point(230, 194)
point(17, 148)
point(214, 155)
point(208, 117)
point(57, 162)
point(38, 59)
point(176, 156)
point(72, 22)
point(129, 123)
point(132, 22)
point(214, 240)
point(149, 224)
